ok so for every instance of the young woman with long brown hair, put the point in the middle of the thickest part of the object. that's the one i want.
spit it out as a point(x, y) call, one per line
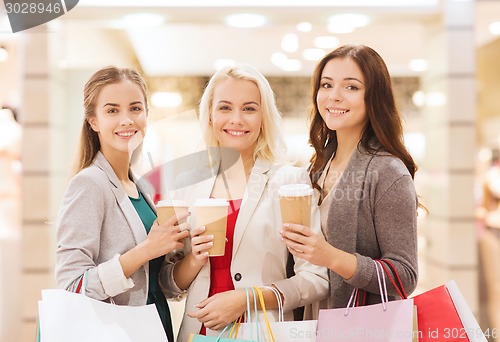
point(364, 175)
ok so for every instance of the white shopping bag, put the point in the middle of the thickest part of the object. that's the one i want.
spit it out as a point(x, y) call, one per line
point(283, 331)
point(296, 331)
point(67, 316)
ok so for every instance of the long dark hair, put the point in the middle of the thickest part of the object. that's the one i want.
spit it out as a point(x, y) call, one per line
point(89, 143)
point(384, 129)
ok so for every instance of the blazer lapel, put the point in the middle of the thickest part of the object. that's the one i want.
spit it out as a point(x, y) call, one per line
point(143, 188)
point(254, 190)
point(122, 199)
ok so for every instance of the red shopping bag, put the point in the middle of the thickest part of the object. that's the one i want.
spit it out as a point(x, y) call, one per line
point(443, 314)
point(438, 319)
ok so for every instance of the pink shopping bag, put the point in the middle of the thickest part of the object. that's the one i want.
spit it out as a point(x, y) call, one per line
point(387, 321)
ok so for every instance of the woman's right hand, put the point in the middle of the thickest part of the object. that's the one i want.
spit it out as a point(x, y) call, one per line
point(200, 244)
point(187, 269)
point(163, 239)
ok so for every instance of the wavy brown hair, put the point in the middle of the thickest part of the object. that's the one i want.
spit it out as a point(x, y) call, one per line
point(384, 129)
point(89, 141)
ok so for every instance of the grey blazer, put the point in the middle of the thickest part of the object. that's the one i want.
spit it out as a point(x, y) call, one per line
point(96, 224)
point(373, 214)
point(259, 256)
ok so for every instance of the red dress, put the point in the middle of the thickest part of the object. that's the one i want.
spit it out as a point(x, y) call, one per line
point(220, 266)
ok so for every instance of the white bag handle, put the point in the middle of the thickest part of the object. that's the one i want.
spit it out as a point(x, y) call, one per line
point(383, 289)
point(281, 316)
point(383, 293)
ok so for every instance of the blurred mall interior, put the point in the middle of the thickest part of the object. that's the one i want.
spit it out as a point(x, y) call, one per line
point(443, 56)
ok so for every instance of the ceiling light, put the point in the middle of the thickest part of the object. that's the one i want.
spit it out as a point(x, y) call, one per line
point(278, 58)
point(166, 99)
point(339, 28)
point(418, 64)
point(4, 54)
point(495, 28)
point(418, 98)
point(351, 19)
point(221, 63)
point(346, 23)
point(246, 20)
point(436, 99)
point(290, 42)
point(326, 42)
point(264, 3)
point(291, 65)
point(304, 26)
point(143, 20)
point(313, 54)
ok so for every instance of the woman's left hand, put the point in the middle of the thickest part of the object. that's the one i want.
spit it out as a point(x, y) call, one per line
point(306, 244)
point(218, 311)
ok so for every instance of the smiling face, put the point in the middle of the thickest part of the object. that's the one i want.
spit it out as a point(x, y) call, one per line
point(340, 98)
point(120, 118)
point(236, 116)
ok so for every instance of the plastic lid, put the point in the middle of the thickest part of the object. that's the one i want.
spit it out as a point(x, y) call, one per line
point(295, 190)
point(172, 203)
point(211, 202)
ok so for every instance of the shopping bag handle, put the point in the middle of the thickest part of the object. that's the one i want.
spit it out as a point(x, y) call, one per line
point(233, 333)
point(383, 292)
point(80, 284)
point(257, 293)
point(270, 334)
point(397, 285)
point(281, 316)
point(382, 287)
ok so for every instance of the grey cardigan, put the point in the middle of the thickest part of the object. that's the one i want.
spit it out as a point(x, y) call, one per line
point(96, 224)
point(373, 214)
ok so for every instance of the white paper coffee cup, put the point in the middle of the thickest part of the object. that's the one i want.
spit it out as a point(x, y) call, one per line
point(212, 213)
point(295, 203)
point(168, 208)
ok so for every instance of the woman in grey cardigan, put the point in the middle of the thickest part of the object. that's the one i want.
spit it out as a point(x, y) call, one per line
point(364, 175)
point(107, 224)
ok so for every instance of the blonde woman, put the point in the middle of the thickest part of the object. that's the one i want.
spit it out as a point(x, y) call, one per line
point(239, 115)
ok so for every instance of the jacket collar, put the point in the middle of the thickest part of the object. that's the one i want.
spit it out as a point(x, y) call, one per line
point(253, 193)
point(122, 198)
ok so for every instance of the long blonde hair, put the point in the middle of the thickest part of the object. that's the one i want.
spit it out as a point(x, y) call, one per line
point(89, 141)
point(270, 143)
